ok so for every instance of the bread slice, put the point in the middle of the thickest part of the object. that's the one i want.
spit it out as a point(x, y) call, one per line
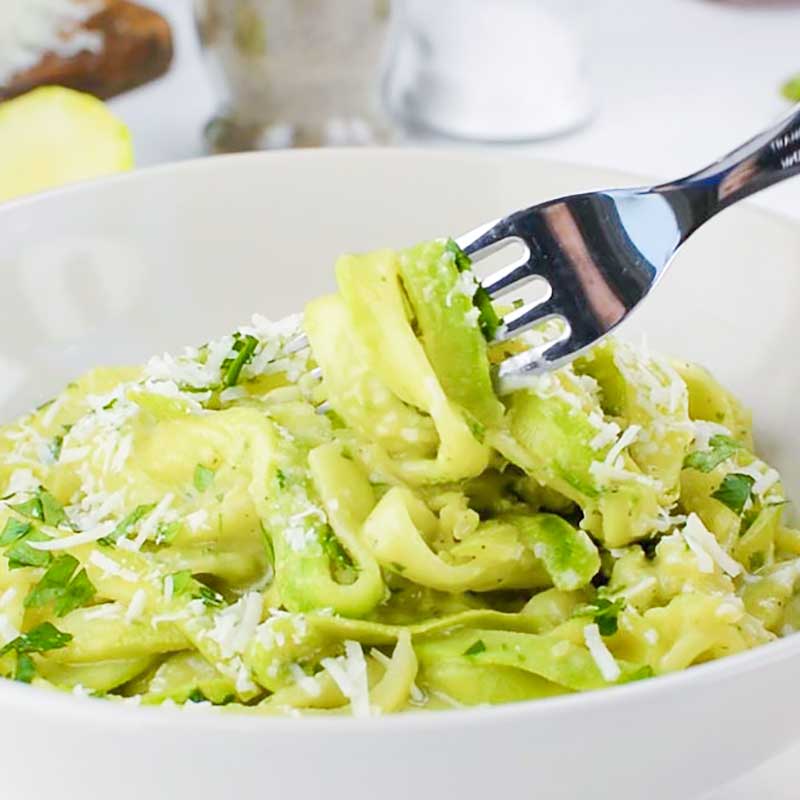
point(137, 48)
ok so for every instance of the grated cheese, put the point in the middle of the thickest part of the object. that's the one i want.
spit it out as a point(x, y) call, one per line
point(151, 522)
point(601, 655)
point(67, 542)
point(307, 683)
point(628, 438)
point(707, 549)
point(8, 632)
point(349, 672)
point(110, 567)
point(8, 597)
point(137, 606)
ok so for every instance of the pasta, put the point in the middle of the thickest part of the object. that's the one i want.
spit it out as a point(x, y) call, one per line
point(221, 529)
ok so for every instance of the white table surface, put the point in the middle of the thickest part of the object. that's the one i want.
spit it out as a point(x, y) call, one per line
point(677, 83)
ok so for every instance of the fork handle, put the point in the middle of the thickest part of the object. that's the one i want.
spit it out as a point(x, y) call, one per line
point(764, 160)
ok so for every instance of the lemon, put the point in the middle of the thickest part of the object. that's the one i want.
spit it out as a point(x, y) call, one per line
point(52, 136)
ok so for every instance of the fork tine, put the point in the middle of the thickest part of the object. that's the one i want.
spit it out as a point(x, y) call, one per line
point(504, 280)
point(513, 371)
point(527, 316)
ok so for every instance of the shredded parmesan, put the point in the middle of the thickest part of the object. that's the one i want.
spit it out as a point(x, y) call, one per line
point(110, 567)
point(67, 542)
point(608, 667)
point(137, 606)
point(707, 549)
point(349, 672)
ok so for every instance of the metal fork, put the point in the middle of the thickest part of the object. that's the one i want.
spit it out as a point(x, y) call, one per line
point(599, 254)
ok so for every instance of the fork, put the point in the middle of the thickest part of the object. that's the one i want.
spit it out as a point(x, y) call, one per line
point(598, 254)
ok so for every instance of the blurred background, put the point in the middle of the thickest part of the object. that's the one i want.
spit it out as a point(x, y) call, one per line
point(657, 87)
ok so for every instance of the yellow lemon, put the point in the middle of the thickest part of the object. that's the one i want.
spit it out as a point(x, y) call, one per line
point(52, 136)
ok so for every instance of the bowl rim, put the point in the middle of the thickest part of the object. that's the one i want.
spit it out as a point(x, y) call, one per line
point(20, 697)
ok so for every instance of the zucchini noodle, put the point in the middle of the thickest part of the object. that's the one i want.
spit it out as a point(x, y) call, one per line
point(221, 529)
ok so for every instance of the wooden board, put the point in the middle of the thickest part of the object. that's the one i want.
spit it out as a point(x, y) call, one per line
point(137, 48)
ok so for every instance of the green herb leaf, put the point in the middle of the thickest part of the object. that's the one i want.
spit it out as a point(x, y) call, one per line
point(26, 669)
point(210, 597)
point(203, 477)
point(197, 696)
point(604, 612)
point(734, 491)
point(53, 583)
point(245, 347)
point(791, 89)
point(79, 592)
point(462, 261)
point(280, 477)
point(488, 319)
point(40, 639)
point(167, 532)
point(14, 530)
point(475, 648)
point(21, 554)
point(30, 508)
point(182, 582)
point(59, 586)
point(52, 511)
point(722, 448)
point(127, 524)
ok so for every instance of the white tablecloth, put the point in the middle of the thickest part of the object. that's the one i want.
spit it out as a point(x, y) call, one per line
point(677, 83)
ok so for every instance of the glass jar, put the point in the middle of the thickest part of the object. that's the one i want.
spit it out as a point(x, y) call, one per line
point(295, 73)
point(499, 71)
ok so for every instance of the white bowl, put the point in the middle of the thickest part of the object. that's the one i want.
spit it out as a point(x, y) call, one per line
point(113, 271)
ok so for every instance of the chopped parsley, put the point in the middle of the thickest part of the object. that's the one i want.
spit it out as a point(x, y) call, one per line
point(476, 648)
point(61, 585)
point(21, 554)
point(184, 583)
point(197, 696)
point(604, 612)
point(280, 477)
point(203, 477)
point(30, 508)
point(52, 511)
point(488, 319)
point(722, 448)
point(14, 530)
point(167, 532)
point(181, 582)
point(42, 507)
point(734, 491)
point(209, 597)
point(245, 348)
point(126, 525)
point(26, 669)
point(40, 639)
point(79, 592)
